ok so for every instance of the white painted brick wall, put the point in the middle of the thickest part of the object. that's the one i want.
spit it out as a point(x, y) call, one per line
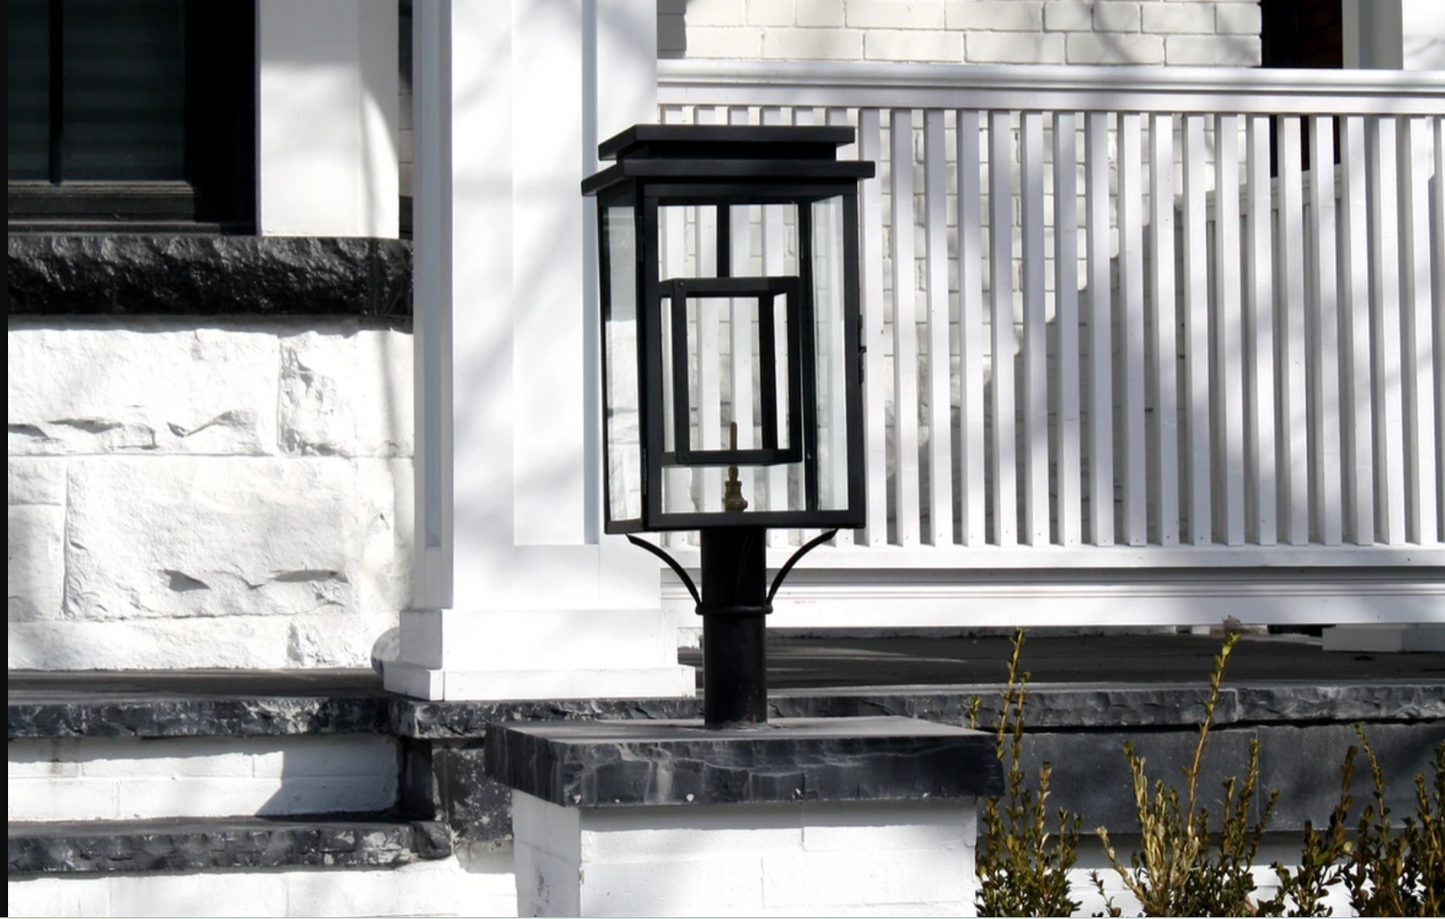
point(1014, 48)
point(880, 45)
point(887, 858)
point(995, 15)
point(1115, 16)
point(964, 31)
point(1096, 48)
point(1212, 51)
point(117, 779)
point(258, 476)
point(1191, 18)
point(472, 883)
point(811, 44)
point(479, 881)
point(894, 14)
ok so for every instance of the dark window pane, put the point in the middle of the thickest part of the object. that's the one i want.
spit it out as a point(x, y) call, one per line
point(125, 99)
point(28, 69)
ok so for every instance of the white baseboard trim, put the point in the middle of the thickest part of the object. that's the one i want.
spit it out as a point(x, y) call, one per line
point(953, 599)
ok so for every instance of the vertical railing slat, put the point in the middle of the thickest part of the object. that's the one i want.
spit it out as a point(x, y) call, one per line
point(905, 328)
point(1324, 324)
point(940, 403)
point(1437, 208)
point(805, 116)
point(740, 354)
point(1229, 375)
point(1066, 317)
point(838, 408)
point(674, 265)
point(870, 147)
point(774, 241)
point(1001, 315)
point(1385, 322)
point(1164, 472)
point(1259, 389)
point(972, 505)
point(1416, 332)
point(1100, 373)
point(1197, 451)
point(1035, 339)
point(1130, 330)
point(1355, 381)
point(1293, 434)
point(709, 350)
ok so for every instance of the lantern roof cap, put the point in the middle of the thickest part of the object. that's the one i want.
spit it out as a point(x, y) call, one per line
point(722, 154)
point(725, 142)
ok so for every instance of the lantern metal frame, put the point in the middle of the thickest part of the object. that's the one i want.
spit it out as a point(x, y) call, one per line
point(802, 384)
point(662, 166)
point(725, 166)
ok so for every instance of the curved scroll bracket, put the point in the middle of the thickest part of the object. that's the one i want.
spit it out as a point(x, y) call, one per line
point(807, 547)
point(671, 563)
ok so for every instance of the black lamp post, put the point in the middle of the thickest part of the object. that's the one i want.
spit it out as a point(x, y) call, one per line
point(674, 327)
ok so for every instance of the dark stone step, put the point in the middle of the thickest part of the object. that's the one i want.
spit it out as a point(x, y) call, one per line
point(191, 844)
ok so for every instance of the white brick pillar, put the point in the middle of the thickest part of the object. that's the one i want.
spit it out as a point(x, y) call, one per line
point(882, 858)
point(798, 817)
point(516, 593)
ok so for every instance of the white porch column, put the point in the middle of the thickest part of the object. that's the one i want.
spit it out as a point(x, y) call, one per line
point(516, 594)
point(1394, 34)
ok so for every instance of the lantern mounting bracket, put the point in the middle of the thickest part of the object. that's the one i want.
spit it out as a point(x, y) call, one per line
point(807, 547)
point(672, 563)
point(691, 586)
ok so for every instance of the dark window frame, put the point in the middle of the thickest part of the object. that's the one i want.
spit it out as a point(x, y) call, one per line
point(218, 192)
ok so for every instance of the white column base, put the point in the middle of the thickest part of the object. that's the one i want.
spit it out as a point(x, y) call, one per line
point(888, 858)
point(1384, 639)
point(538, 654)
point(477, 685)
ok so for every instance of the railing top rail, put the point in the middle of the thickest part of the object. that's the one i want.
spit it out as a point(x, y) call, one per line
point(1052, 88)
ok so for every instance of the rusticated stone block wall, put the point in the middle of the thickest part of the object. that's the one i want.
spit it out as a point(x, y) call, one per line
point(251, 473)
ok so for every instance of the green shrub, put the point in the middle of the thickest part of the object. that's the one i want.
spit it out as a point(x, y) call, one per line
point(1022, 868)
point(1182, 870)
point(1385, 875)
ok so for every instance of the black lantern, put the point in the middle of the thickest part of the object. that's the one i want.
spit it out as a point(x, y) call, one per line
point(732, 359)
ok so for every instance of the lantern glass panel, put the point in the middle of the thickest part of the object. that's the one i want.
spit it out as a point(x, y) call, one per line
point(620, 331)
point(733, 362)
point(829, 352)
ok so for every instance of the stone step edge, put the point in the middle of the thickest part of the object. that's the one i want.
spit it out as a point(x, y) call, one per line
point(219, 843)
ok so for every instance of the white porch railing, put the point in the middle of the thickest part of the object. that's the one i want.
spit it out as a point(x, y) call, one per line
point(1207, 304)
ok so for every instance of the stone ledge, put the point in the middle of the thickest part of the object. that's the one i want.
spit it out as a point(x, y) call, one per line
point(240, 842)
point(209, 703)
point(631, 763)
point(213, 276)
point(1119, 705)
point(274, 702)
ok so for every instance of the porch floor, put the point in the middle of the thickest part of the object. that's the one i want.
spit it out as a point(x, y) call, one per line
point(813, 662)
point(796, 662)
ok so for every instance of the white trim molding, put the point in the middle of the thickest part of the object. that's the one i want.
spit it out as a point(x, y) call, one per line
point(873, 599)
